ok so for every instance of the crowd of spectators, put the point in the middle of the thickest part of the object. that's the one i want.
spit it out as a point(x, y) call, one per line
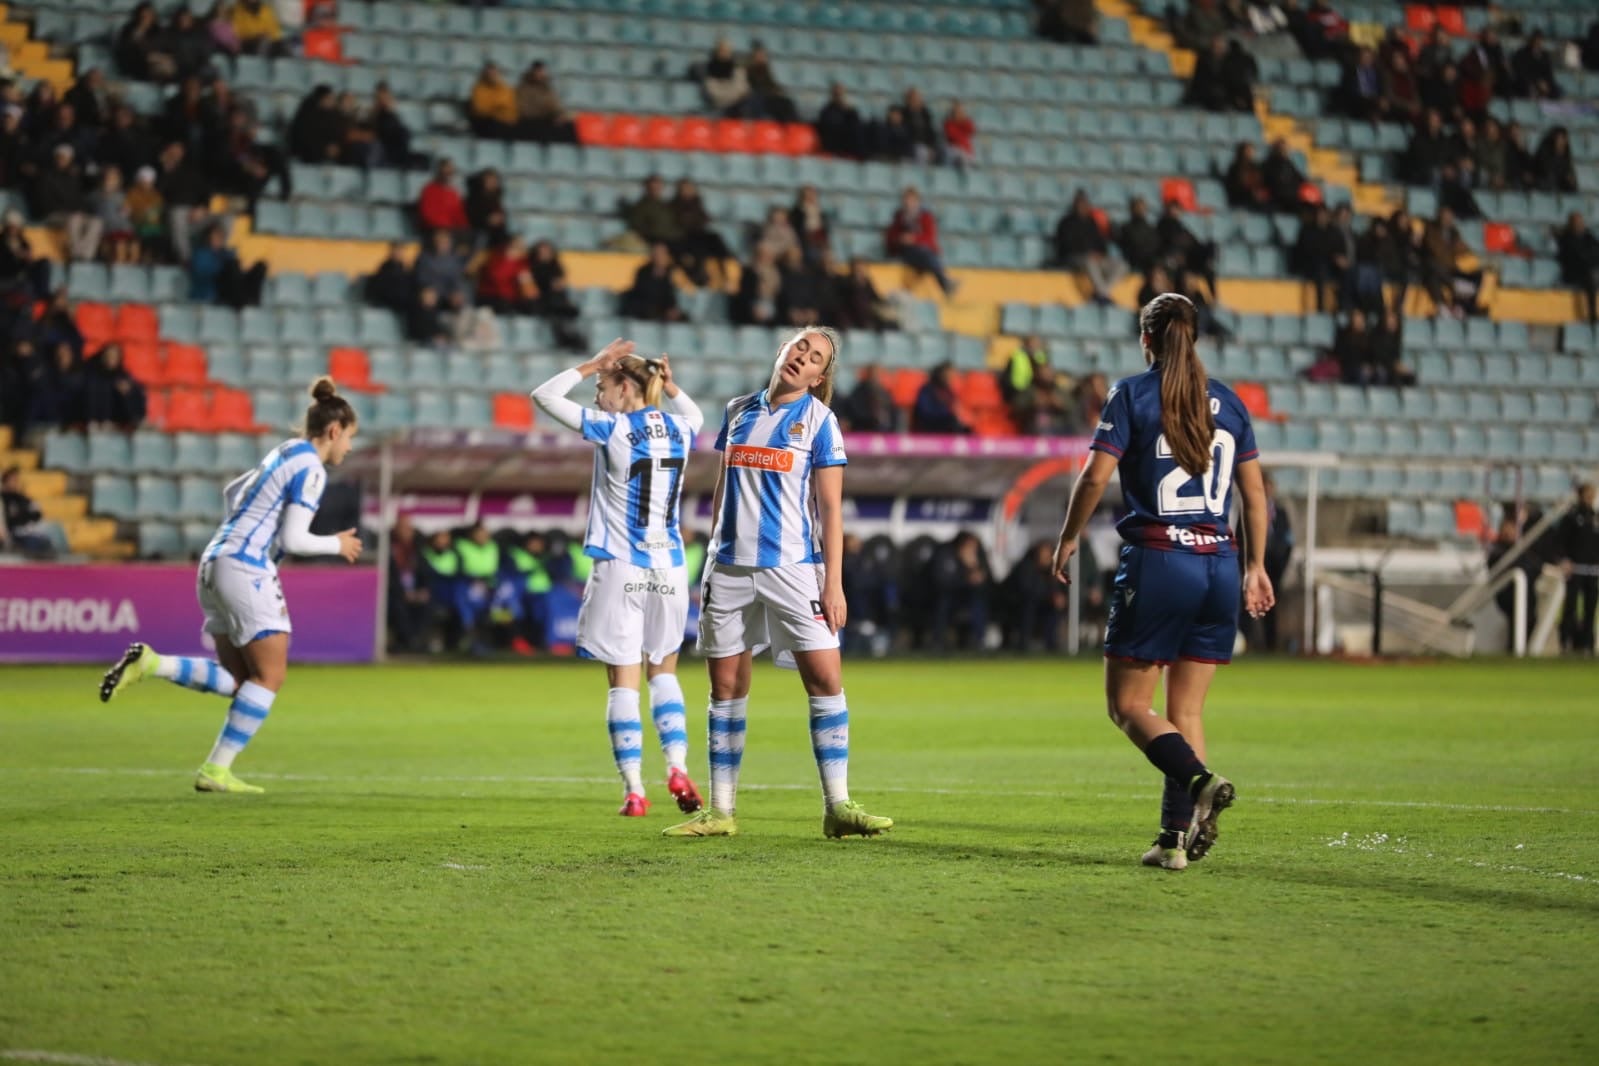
point(51, 379)
point(530, 110)
point(1351, 270)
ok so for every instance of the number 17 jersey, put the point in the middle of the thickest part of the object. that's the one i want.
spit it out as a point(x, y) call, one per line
point(1167, 508)
point(639, 463)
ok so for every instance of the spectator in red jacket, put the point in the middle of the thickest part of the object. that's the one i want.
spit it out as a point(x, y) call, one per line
point(913, 238)
point(960, 133)
point(505, 280)
point(440, 205)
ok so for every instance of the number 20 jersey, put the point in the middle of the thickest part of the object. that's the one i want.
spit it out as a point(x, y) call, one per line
point(638, 480)
point(1168, 509)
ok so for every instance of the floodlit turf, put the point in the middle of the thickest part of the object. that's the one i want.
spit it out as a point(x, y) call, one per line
point(437, 875)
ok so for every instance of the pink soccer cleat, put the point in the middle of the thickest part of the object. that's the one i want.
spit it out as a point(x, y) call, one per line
point(683, 790)
point(635, 806)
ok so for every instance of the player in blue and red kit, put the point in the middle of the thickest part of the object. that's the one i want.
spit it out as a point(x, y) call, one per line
point(1180, 440)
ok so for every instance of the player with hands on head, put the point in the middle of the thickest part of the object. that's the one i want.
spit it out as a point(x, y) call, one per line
point(1180, 440)
point(774, 576)
point(635, 606)
point(269, 512)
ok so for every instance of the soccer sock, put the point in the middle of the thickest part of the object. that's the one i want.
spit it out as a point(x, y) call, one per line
point(666, 707)
point(202, 675)
point(727, 721)
point(245, 715)
point(1176, 806)
point(1173, 757)
point(627, 736)
point(830, 744)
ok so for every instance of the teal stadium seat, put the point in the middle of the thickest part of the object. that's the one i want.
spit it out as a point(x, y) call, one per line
point(154, 496)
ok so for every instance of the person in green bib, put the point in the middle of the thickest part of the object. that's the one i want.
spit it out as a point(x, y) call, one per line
point(479, 553)
point(529, 578)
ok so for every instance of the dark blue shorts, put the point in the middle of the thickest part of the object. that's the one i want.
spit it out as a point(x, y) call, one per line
point(1167, 606)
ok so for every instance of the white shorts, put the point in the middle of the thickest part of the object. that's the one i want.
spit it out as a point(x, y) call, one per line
point(241, 602)
point(748, 608)
point(630, 614)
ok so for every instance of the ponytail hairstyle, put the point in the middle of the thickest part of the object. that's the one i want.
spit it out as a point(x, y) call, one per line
point(327, 407)
point(1169, 324)
point(823, 389)
point(646, 374)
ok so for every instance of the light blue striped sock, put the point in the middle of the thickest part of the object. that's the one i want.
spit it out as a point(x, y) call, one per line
point(727, 721)
point(201, 675)
point(245, 715)
point(627, 736)
point(830, 744)
point(666, 707)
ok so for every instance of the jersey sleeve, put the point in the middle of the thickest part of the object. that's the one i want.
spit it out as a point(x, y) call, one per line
point(1115, 430)
point(721, 435)
point(1247, 448)
point(827, 448)
point(597, 425)
point(305, 488)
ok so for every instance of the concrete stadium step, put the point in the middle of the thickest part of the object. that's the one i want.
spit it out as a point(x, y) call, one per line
point(26, 458)
point(43, 484)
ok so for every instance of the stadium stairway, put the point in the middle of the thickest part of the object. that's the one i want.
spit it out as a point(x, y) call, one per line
point(32, 58)
point(94, 537)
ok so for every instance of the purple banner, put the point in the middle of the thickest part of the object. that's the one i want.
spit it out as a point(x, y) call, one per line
point(91, 613)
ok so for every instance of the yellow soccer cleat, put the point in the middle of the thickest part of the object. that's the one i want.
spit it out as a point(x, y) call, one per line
point(708, 823)
point(139, 661)
point(849, 819)
point(214, 778)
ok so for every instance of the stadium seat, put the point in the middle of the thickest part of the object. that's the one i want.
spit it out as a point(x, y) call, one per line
point(137, 322)
point(513, 410)
point(185, 364)
point(154, 496)
point(352, 370)
point(96, 322)
point(232, 411)
point(199, 497)
point(159, 540)
point(188, 410)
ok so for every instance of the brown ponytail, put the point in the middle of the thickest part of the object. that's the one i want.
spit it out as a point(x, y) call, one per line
point(1169, 324)
point(327, 407)
point(646, 374)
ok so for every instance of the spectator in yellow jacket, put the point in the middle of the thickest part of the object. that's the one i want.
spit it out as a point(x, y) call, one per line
point(255, 22)
point(492, 109)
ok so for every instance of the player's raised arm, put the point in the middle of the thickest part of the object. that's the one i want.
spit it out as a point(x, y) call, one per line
point(551, 396)
point(677, 401)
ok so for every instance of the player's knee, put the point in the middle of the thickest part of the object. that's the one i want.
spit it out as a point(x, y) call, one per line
point(269, 677)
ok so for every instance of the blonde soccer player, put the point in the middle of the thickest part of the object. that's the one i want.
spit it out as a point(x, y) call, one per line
point(635, 606)
point(269, 512)
point(774, 576)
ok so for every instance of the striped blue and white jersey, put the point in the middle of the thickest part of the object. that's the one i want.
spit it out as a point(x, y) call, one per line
point(255, 502)
point(767, 517)
point(639, 464)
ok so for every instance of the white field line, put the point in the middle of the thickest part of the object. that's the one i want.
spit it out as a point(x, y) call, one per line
point(533, 779)
point(1383, 844)
point(61, 1058)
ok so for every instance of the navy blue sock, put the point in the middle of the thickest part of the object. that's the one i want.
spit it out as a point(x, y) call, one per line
point(1176, 806)
point(1173, 757)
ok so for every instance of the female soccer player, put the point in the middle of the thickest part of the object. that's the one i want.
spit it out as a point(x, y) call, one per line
point(771, 581)
point(1180, 440)
point(636, 604)
point(269, 513)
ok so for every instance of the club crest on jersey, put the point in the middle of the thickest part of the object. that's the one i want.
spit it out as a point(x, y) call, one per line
point(796, 431)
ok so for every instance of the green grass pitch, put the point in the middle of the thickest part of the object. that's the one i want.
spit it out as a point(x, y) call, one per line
point(437, 875)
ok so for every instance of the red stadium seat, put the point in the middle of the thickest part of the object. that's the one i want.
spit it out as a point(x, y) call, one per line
point(732, 135)
point(1420, 18)
point(799, 139)
point(592, 128)
point(323, 42)
point(138, 322)
point(1452, 21)
point(142, 359)
point(696, 134)
point(1255, 399)
point(1179, 191)
point(96, 323)
point(513, 410)
point(991, 423)
point(1310, 193)
point(766, 138)
point(663, 134)
point(188, 411)
point(625, 131)
point(231, 410)
point(979, 391)
point(351, 368)
point(185, 364)
point(903, 385)
point(1499, 237)
point(1469, 520)
point(155, 408)
point(1101, 220)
